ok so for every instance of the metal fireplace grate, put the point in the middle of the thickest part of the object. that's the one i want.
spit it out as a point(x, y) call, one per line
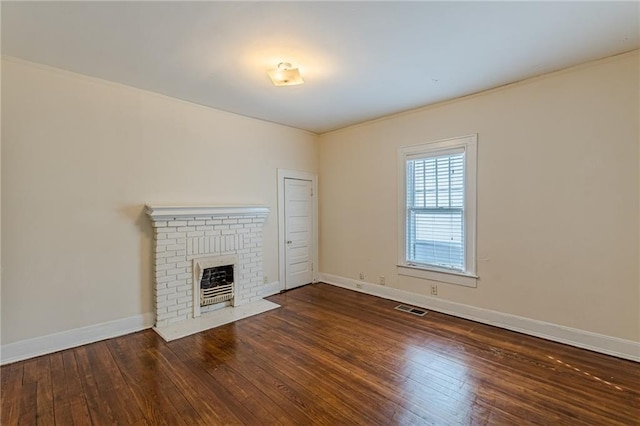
point(221, 293)
point(216, 285)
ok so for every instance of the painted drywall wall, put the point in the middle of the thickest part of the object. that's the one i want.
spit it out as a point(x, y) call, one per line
point(558, 197)
point(81, 157)
point(0, 200)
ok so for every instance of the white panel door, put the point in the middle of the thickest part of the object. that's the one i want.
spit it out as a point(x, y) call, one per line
point(298, 233)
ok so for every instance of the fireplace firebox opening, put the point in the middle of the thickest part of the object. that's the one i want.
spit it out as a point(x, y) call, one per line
point(216, 285)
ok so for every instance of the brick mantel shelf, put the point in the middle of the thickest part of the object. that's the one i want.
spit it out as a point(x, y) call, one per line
point(159, 213)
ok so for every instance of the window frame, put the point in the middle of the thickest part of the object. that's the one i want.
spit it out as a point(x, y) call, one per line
point(469, 144)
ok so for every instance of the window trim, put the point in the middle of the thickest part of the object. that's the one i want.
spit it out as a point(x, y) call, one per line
point(467, 277)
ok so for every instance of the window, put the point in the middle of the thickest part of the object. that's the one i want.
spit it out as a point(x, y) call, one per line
point(437, 194)
point(435, 210)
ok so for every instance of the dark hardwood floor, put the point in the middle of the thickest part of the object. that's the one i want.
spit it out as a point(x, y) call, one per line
point(328, 356)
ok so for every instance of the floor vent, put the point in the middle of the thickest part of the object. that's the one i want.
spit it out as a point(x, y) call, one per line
point(411, 310)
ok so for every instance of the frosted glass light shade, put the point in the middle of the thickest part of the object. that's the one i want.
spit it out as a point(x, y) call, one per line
point(284, 75)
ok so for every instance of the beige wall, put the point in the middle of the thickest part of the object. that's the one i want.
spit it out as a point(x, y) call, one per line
point(558, 197)
point(81, 157)
point(558, 193)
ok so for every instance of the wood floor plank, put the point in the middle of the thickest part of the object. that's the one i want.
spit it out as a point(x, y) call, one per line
point(100, 410)
point(274, 387)
point(28, 405)
point(44, 392)
point(141, 379)
point(75, 393)
point(30, 374)
point(194, 388)
point(59, 388)
point(11, 392)
point(248, 410)
point(327, 356)
point(239, 386)
point(184, 399)
point(111, 384)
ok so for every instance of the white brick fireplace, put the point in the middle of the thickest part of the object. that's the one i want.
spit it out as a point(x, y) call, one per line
point(187, 241)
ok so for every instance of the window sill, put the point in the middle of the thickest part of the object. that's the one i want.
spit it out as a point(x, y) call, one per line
point(459, 278)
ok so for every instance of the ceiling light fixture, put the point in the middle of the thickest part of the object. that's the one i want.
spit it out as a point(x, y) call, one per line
point(285, 75)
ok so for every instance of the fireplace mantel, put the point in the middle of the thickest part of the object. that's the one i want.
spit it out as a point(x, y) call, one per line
point(159, 213)
point(187, 235)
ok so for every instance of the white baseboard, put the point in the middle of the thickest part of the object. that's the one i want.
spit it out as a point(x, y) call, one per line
point(608, 345)
point(55, 342)
point(271, 289)
point(614, 346)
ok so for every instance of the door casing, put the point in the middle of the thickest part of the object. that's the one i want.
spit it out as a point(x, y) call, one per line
point(283, 174)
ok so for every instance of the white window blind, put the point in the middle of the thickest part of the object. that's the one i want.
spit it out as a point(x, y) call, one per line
point(435, 210)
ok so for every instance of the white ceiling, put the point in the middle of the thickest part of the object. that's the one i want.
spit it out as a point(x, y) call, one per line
point(360, 60)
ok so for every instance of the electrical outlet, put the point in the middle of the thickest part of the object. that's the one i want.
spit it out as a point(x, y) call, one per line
point(361, 276)
point(434, 290)
point(382, 280)
point(265, 280)
point(358, 285)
